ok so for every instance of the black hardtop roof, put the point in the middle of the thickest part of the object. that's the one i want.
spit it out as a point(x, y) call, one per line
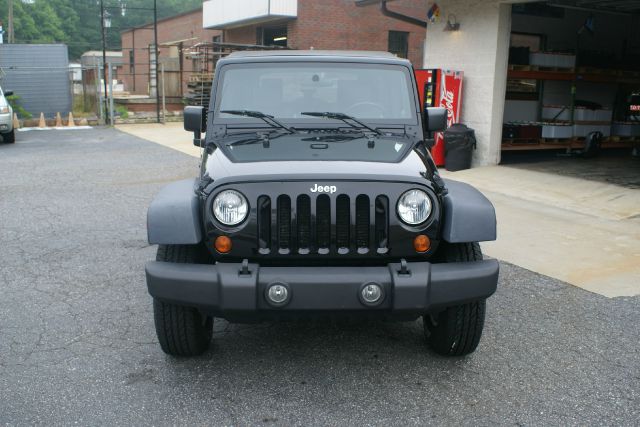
point(315, 55)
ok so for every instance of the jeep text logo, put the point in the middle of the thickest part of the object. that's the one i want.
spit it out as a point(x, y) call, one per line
point(324, 189)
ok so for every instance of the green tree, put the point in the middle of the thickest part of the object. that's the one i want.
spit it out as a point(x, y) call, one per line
point(77, 22)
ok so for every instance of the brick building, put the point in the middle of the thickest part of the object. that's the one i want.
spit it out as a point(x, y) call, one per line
point(176, 35)
point(326, 24)
point(296, 24)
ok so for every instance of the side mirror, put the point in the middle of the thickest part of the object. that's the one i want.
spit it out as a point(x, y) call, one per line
point(195, 119)
point(435, 119)
point(8, 93)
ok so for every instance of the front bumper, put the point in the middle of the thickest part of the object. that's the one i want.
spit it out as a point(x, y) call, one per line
point(230, 288)
point(6, 123)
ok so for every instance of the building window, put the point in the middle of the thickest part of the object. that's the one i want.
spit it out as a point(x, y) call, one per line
point(399, 43)
point(132, 62)
point(216, 39)
point(272, 36)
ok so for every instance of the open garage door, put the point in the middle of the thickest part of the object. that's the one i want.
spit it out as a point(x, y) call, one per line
point(573, 89)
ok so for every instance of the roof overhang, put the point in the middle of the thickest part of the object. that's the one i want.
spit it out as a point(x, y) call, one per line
point(227, 14)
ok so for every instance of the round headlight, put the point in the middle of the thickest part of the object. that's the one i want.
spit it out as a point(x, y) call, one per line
point(230, 207)
point(414, 207)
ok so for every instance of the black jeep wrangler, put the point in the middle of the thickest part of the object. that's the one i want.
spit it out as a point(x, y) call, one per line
point(317, 195)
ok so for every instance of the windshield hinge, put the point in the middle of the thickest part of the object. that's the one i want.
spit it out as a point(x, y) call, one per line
point(411, 131)
point(219, 130)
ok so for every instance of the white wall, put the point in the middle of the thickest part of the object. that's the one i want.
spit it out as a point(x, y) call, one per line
point(479, 49)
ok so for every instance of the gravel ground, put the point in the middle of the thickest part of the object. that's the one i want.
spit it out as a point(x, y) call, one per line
point(77, 343)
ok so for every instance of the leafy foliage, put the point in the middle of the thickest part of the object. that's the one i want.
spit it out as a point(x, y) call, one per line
point(14, 101)
point(77, 22)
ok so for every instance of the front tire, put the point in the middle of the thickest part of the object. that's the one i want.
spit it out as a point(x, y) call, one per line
point(456, 331)
point(181, 330)
point(10, 137)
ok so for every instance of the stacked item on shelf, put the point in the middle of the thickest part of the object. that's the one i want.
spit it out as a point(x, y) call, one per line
point(626, 129)
point(557, 130)
point(526, 131)
point(552, 59)
point(585, 120)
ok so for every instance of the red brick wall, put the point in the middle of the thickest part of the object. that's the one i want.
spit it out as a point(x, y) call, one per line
point(321, 24)
point(186, 28)
point(341, 25)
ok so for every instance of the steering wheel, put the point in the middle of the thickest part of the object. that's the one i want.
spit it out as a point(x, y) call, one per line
point(366, 105)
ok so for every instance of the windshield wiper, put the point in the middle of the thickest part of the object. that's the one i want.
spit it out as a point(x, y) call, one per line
point(341, 116)
point(268, 119)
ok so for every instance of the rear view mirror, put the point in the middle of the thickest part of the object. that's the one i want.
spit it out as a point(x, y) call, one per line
point(8, 93)
point(195, 119)
point(435, 119)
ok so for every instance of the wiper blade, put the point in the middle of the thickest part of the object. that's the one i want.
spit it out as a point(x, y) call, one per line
point(341, 116)
point(270, 120)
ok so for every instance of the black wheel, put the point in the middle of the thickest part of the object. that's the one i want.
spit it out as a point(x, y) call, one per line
point(10, 137)
point(181, 330)
point(456, 331)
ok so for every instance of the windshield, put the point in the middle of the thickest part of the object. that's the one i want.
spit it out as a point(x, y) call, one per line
point(316, 147)
point(285, 90)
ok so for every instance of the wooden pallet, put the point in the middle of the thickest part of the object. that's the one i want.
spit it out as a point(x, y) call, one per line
point(555, 140)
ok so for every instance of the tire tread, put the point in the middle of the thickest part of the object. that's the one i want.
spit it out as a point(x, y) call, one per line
point(181, 330)
point(457, 330)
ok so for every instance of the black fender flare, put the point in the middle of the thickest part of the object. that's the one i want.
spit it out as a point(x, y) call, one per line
point(174, 216)
point(468, 215)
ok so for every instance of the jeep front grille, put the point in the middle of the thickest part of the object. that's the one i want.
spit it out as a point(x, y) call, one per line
point(322, 225)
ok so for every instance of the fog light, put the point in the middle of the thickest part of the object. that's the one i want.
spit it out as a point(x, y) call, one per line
point(278, 294)
point(371, 293)
point(223, 244)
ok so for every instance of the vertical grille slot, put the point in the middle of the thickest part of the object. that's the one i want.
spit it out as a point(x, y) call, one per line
point(284, 223)
point(343, 222)
point(323, 223)
point(264, 224)
point(303, 217)
point(382, 224)
point(362, 222)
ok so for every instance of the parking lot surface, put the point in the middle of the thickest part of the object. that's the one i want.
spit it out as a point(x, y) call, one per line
point(77, 342)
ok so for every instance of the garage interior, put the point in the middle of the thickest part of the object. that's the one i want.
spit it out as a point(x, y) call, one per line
point(572, 102)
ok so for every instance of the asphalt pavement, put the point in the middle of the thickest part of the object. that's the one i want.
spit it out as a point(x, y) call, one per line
point(78, 346)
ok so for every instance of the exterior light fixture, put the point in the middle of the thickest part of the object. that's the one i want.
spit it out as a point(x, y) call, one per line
point(107, 20)
point(452, 24)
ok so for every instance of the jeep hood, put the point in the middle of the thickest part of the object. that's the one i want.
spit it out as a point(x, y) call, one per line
point(222, 169)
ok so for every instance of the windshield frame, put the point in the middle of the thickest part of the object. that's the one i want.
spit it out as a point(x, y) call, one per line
point(313, 122)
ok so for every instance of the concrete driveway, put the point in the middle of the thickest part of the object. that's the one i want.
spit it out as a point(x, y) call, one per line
point(77, 343)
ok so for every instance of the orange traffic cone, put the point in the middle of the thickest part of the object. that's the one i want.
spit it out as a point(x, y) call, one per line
point(42, 123)
point(71, 122)
point(16, 122)
point(83, 122)
point(58, 120)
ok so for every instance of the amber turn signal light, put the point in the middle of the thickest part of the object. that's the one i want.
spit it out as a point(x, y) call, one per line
point(421, 243)
point(223, 244)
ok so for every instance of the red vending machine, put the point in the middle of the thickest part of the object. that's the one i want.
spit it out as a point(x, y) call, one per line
point(441, 88)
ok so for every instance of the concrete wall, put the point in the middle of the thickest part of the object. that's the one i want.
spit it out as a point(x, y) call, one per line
point(39, 75)
point(479, 49)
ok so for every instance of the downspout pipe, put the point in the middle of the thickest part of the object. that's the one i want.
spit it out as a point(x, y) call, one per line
point(395, 15)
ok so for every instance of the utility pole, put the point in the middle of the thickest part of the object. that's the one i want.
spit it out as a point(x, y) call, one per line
point(157, 53)
point(10, 37)
point(104, 57)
